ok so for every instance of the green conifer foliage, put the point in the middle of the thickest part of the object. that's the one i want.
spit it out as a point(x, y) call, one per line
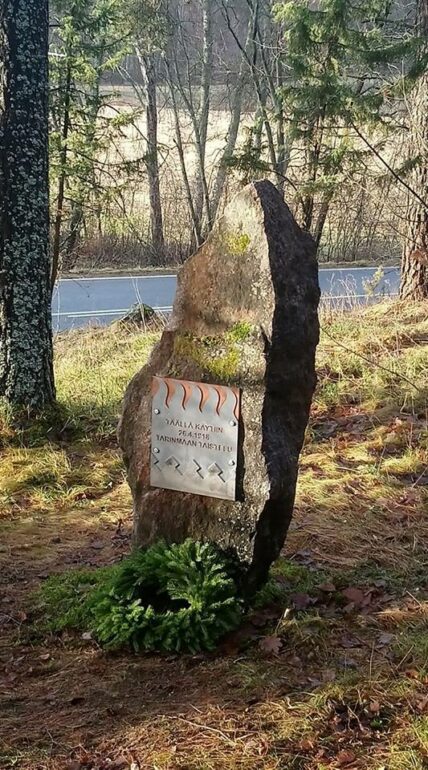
point(337, 56)
point(179, 597)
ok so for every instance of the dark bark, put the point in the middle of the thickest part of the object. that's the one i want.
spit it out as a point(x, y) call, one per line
point(26, 370)
point(414, 275)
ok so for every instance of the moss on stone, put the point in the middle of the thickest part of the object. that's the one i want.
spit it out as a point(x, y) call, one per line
point(241, 331)
point(238, 243)
point(216, 355)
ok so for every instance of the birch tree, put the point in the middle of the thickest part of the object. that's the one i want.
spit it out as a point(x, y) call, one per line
point(148, 25)
point(26, 370)
point(148, 66)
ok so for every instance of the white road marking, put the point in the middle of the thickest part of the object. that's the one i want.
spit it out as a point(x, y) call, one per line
point(84, 313)
point(168, 308)
point(79, 278)
point(354, 269)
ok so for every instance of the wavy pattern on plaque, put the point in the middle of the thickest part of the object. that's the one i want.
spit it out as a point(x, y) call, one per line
point(236, 408)
point(188, 390)
point(205, 391)
point(170, 390)
point(221, 397)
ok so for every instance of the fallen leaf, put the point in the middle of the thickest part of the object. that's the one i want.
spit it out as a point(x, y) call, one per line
point(374, 707)
point(304, 556)
point(345, 757)
point(45, 656)
point(305, 745)
point(87, 636)
point(97, 545)
point(329, 675)
point(320, 754)
point(422, 703)
point(21, 616)
point(354, 595)
point(412, 673)
point(327, 588)
point(270, 645)
point(385, 638)
point(118, 764)
point(349, 608)
point(349, 642)
point(301, 601)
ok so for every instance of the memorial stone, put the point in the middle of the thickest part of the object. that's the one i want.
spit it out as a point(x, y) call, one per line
point(212, 427)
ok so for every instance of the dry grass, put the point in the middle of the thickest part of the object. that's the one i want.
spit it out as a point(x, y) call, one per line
point(365, 467)
point(348, 687)
point(71, 456)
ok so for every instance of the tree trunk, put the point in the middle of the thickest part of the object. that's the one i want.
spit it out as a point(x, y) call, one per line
point(26, 370)
point(197, 239)
point(233, 130)
point(414, 274)
point(148, 72)
point(202, 197)
point(56, 247)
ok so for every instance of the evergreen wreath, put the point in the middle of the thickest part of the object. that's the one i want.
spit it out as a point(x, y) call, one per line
point(168, 597)
point(180, 597)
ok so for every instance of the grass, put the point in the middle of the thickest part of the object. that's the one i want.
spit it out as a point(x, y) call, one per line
point(71, 455)
point(344, 684)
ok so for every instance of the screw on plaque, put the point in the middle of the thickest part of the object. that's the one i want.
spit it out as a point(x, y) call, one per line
point(157, 411)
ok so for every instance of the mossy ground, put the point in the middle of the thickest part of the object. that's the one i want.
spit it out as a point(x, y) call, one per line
point(338, 681)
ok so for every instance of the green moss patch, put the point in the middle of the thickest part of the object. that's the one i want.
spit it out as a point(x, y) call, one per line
point(218, 356)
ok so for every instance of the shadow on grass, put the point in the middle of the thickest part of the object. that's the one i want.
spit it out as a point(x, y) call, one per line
point(342, 677)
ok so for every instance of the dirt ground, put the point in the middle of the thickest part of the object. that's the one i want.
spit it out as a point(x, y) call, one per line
point(329, 670)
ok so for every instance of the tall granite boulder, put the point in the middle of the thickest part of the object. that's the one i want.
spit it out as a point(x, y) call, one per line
point(245, 315)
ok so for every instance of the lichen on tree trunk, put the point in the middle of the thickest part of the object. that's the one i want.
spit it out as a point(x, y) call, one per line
point(26, 370)
point(414, 276)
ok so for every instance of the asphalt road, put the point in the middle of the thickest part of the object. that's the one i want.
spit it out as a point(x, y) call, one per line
point(79, 302)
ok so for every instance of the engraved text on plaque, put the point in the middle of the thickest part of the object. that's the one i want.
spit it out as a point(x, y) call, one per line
point(194, 437)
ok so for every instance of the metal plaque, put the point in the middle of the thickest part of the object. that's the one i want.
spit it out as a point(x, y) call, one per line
point(194, 437)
